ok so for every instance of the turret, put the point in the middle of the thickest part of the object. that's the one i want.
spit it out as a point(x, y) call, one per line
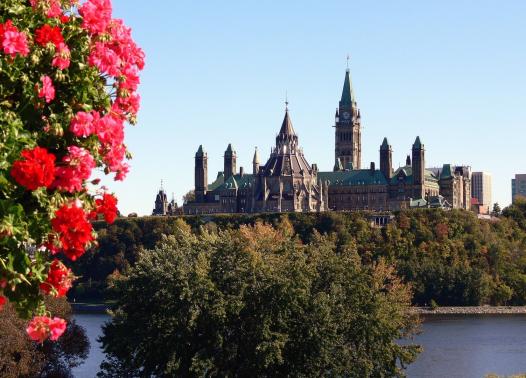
point(230, 159)
point(201, 174)
point(386, 159)
point(419, 165)
point(255, 162)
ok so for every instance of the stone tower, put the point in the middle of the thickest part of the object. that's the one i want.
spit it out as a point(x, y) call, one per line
point(419, 166)
point(348, 134)
point(201, 174)
point(255, 162)
point(230, 162)
point(386, 159)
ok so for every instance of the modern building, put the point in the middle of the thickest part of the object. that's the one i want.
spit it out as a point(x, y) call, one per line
point(288, 183)
point(518, 186)
point(481, 190)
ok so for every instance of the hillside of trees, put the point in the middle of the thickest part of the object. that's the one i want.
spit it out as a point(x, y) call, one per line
point(451, 257)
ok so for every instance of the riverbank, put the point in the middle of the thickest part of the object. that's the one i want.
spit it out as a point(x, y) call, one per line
point(471, 310)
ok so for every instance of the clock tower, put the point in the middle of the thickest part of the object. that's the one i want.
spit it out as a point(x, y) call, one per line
point(348, 133)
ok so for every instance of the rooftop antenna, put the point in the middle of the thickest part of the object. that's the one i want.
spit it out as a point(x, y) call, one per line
point(286, 100)
point(161, 184)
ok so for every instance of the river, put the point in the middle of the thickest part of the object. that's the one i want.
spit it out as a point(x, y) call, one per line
point(464, 346)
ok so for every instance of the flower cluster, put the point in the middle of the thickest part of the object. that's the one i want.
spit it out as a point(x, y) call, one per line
point(12, 41)
point(35, 170)
point(70, 76)
point(59, 279)
point(74, 229)
point(43, 327)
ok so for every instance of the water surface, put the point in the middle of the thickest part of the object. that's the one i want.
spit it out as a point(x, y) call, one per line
point(465, 346)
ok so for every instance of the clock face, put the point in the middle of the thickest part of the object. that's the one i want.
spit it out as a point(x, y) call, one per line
point(346, 115)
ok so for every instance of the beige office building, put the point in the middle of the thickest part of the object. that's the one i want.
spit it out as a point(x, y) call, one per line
point(481, 188)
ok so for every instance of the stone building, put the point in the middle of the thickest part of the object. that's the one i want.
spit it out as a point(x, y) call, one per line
point(288, 183)
point(162, 206)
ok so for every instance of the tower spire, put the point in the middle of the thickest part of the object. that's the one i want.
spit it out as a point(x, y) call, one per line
point(347, 92)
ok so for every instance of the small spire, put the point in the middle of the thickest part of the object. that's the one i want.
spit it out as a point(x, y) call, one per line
point(200, 152)
point(162, 185)
point(418, 143)
point(286, 126)
point(286, 101)
point(348, 57)
point(256, 157)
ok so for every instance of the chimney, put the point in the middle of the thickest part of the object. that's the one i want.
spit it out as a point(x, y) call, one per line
point(241, 171)
point(373, 167)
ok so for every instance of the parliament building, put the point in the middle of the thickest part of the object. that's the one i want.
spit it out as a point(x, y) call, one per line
point(288, 183)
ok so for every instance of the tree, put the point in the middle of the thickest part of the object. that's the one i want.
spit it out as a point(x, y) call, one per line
point(21, 357)
point(68, 84)
point(496, 210)
point(189, 197)
point(257, 302)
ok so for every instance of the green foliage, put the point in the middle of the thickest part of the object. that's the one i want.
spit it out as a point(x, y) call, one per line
point(256, 301)
point(448, 256)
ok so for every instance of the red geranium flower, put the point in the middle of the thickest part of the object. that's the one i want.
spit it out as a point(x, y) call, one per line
point(108, 207)
point(47, 33)
point(3, 300)
point(36, 170)
point(74, 230)
point(59, 279)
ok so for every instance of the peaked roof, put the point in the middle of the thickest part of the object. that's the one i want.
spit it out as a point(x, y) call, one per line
point(286, 126)
point(256, 156)
point(385, 145)
point(418, 143)
point(200, 151)
point(229, 149)
point(347, 92)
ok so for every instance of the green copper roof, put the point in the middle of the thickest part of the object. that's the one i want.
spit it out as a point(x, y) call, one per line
point(218, 182)
point(418, 143)
point(356, 177)
point(385, 145)
point(446, 171)
point(347, 93)
point(407, 174)
point(233, 182)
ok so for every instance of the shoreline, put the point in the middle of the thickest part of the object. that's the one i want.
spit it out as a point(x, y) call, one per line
point(471, 310)
point(102, 308)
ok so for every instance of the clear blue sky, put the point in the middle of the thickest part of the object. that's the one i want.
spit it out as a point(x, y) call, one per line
point(452, 72)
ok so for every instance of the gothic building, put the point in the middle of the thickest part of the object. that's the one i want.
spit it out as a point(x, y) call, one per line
point(162, 206)
point(288, 183)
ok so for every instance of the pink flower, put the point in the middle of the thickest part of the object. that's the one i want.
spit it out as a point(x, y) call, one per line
point(84, 124)
point(110, 130)
point(47, 91)
point(62, 57)
point(122, 172)
point(96, 15)
point(129, 78)
point(78, 164)
point(105, 59)
point(13, 42)
point(129, 104)
point(42, 327)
